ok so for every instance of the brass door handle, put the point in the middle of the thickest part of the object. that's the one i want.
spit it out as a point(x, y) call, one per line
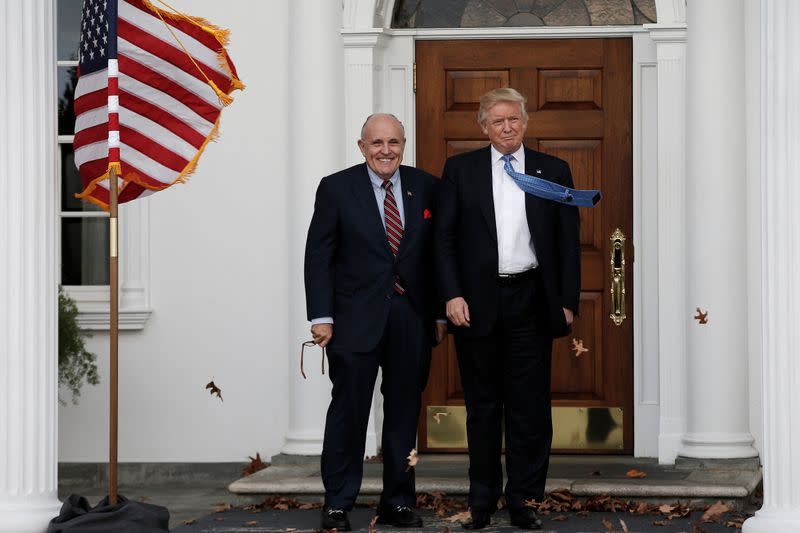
point(617, 277)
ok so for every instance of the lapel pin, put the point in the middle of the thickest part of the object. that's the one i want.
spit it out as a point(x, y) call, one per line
point(538, 171)
point(409, 194)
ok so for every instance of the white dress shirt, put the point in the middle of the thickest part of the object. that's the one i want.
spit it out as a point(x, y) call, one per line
point(515, 251)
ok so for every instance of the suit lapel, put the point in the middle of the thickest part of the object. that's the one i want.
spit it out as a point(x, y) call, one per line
point(483, 187)
point(533, 205)
point(365, 196)
point(411, 210)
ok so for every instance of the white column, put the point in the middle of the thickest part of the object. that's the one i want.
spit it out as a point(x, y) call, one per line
point(316, 135)
point(780, 220)
point(28, 313)
point(717, 421)
point(671, 53)
point(363, 64)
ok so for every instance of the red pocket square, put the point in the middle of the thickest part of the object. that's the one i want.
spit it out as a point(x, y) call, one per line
point(426, 214)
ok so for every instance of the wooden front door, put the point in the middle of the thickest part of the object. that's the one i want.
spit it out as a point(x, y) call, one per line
point(579, 105)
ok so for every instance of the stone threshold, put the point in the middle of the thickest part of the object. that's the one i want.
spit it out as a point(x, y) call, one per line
point(689, 480)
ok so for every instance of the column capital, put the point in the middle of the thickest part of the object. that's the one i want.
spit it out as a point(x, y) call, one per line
point(667, 33)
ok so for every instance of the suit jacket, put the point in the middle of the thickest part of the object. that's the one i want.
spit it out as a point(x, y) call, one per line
point(466, 240)
point(349, 267)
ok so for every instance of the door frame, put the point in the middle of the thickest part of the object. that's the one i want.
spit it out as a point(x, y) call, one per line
point(380, 76)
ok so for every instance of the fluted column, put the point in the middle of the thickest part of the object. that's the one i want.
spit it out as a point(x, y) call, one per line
point(316, 146)
point(28, 292)
point(780, 256)
point(717, 410)
point(671, 53)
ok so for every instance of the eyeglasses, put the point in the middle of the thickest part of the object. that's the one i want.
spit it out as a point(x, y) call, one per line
point(309, 344)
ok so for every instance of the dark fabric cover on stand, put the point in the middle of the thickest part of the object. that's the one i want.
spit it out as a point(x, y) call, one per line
point(77, 516)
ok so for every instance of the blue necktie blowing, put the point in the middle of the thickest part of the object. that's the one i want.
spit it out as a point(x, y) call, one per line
point(549, 190)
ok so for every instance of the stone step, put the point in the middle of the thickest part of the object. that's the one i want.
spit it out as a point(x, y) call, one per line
point(689, 480)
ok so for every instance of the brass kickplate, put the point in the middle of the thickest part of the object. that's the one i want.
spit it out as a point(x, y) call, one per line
point(574, 428)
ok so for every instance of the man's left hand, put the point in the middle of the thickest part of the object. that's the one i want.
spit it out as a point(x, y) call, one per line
point(568, 315)
point(441, 332)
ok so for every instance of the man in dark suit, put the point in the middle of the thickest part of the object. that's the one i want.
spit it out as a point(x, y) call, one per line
point(508, 268)
point(370, 297)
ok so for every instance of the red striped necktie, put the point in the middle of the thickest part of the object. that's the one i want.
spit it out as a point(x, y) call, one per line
point(394, 226)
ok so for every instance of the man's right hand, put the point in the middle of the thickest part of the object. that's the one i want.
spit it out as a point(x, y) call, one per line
point(322, 333)
point(458, 311)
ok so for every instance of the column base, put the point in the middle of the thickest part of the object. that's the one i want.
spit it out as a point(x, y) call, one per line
point(668, 446)
point(718, 446)
point(303, 443)
point(28, 518)
point(772, 521)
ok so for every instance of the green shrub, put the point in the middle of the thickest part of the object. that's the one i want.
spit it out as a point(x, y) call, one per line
point(75, 363)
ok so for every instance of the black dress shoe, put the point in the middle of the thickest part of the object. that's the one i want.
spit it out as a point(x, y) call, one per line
point(398, 516)
point(478, 520)
point(525, 518)
point(335, 519)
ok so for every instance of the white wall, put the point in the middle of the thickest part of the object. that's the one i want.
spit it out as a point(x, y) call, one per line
point(218, 248)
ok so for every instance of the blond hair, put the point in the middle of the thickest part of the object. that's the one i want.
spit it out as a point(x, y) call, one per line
point(503, 94)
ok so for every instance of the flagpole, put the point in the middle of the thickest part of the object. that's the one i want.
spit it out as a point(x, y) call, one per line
point(114, 337)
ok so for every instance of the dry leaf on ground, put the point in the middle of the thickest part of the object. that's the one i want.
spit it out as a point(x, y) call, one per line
point(251, 523)
point(222, 507)
point(714, 512)
point(444, 530)
point(372, 524)
point(635, 473)
point(577, 347)
point(559, 518)
point(608, 525)
point(255, 465)
point(623, 525)
point(661, 523)
point(459, 517)
point(188, 522)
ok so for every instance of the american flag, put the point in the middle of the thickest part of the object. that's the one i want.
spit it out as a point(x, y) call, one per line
point(151, 88)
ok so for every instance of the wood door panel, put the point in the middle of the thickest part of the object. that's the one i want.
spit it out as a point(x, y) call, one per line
point(570, 89)
point(584, 158)
point(465, 87)
point(581, 376)
point(579, 109)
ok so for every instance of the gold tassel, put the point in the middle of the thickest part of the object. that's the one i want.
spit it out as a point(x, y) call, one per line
point(223, 98)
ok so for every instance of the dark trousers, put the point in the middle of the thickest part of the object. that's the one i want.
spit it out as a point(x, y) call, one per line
point(506, 379)
point(404, 355)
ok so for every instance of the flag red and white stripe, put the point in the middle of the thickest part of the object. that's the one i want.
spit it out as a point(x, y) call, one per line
point(151, 88)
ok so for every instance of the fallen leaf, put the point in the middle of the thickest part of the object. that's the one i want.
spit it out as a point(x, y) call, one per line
point(635, 473)
point(290, 529)
point(222, 507)
point(701, 317)
point(214, 390)
point(623, 525)
point(714, 512)
point(251, 523)
point(412, 459)
point(666, 508)
point(735, 523)
point(255, 465)
point(189, 522)
point(698, 529)
point(577, 347)
point(437, 416)
point(459, 517)
point(444, 530)
point(608, 525)
point(372, 524)
point(559, 518)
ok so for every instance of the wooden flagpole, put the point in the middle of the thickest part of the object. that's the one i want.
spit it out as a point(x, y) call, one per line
point(114, 337)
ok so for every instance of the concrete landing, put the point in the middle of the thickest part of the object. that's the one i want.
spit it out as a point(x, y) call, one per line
point(692, 481)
